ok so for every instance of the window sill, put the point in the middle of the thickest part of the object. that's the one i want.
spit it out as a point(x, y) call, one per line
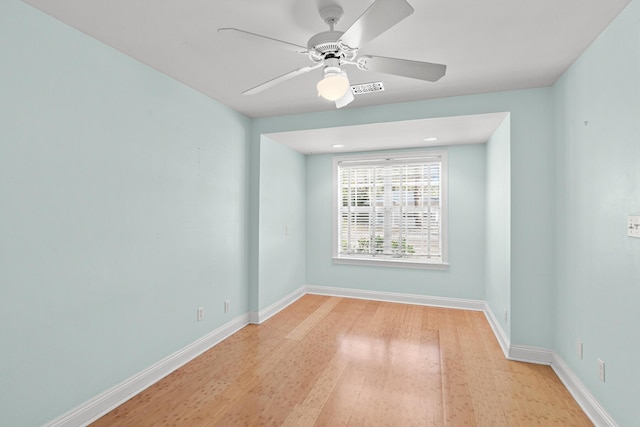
point(390, 263)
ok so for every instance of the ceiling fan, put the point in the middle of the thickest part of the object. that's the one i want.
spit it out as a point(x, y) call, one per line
point(331, 50)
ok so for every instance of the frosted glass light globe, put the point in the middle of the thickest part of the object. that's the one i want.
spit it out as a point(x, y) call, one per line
point(333, 86)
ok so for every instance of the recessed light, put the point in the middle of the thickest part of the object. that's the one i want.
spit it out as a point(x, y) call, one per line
point(337, 146)
point(430, 139)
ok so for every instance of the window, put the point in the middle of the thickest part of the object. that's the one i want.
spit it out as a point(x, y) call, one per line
point(391, 209)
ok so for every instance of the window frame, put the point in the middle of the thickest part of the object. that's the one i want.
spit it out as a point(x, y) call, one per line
point(444, 205)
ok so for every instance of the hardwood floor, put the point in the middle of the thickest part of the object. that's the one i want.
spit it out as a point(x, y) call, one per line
point(329, 361)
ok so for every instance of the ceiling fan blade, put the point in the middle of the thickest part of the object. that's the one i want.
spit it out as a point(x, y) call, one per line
point(270, 40)
point(378, 18)
point(403, 67)
point(280, 79)
point(346, 99)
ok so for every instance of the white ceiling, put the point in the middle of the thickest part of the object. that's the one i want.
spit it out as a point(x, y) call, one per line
point(472, 129)
point(488, 45)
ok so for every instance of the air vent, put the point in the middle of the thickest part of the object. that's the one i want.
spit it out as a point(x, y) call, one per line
point(363, 88)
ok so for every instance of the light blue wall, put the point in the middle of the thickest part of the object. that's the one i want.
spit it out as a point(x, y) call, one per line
point(532, 180)
point(115, 224)
point(465, 277)
point(122, 209)
point(282, 208)
point(498, 224)
point(598, 179)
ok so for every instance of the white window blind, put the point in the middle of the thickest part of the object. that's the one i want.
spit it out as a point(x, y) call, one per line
point(391, 208)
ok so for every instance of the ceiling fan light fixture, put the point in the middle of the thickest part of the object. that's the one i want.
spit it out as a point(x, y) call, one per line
point(334, 85)
point(334, 49)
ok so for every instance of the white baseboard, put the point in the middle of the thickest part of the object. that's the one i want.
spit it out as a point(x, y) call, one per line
point(110, 399)
point(518, 353)
point(543, 356)
point(463, 304)
point(254, 318)
point(537, 355)
point(115, 396)
point(581, 394)
point(501, 336)
point(278, 306)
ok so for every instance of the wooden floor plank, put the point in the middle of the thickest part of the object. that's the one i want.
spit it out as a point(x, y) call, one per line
point(302, 416)
point(329, 361)
point(312, 321)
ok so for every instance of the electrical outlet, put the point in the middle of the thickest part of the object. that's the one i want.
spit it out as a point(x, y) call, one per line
point(506, 316)
point(200, 313)
point(601, 370)
point(633, 226)
point(579, 349)
point(226, 306)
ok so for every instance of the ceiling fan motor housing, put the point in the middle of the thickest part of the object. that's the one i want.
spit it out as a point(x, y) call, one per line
point(327, 45)
point(325, 42)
